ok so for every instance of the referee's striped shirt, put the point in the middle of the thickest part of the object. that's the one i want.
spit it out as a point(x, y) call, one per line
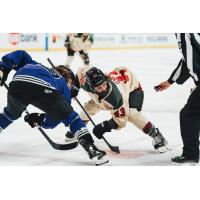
point(189, 65)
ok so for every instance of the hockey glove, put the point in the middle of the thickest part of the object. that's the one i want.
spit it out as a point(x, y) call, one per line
point(3, 74)
point(102, 128)
point(34, 119)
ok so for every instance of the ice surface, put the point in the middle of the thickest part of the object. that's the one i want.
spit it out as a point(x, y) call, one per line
point(20, 145)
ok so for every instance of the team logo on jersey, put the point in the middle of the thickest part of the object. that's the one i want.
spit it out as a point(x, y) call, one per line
point(119, 76)
point(47, 91)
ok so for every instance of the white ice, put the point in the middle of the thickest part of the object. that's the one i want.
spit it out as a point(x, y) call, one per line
point(22, 146)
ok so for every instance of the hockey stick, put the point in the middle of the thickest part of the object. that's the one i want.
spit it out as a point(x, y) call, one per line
point(112, 148)
point(53, 144)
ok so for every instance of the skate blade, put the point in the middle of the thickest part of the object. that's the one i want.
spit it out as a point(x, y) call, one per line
point(164, 149)
point(101, 161)
point(98, 164)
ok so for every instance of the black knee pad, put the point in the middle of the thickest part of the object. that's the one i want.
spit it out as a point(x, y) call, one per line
point(136, 98)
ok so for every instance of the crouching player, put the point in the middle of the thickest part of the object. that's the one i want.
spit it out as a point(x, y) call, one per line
point(48, 90)
point(120, 93)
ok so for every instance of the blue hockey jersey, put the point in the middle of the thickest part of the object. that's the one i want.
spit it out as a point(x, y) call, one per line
point(28, 70)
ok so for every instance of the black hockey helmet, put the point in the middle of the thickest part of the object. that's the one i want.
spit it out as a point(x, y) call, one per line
point(95, 77)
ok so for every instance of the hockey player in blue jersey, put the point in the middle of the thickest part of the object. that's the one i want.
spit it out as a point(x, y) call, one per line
point(48, 90)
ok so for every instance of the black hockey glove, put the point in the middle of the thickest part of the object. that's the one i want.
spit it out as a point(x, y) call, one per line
point(102, 128)
point(74, 91)
point(34, 119)
point(3, 75)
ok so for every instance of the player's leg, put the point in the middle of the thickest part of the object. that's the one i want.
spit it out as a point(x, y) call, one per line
point(11, 112)
point(91, 108)
point(70, 56)
point(85, 52)
point(85, 57)
point(14, 107)
point(5, 119)
point(140, 121)
point(55, 105)
point(159, 142)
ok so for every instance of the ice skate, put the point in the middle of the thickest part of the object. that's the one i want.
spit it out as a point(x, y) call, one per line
point(160, 143)
point(97, 156)
point(180, 160)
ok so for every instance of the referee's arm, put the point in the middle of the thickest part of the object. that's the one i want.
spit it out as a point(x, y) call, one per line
point(180, 74)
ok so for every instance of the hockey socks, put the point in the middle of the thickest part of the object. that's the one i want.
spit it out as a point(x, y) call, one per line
point(5, 119)
point(159, 142)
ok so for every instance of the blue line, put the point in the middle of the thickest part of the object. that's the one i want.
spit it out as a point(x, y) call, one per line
point(46, 42)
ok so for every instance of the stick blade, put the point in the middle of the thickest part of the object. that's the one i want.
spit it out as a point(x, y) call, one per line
point(68, 146)
point(115, 149)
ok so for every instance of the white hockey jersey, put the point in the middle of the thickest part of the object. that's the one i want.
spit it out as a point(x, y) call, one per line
point(78, 43)
point(122, 83)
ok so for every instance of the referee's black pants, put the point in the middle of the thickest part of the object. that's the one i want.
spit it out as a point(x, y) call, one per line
point(190, 125)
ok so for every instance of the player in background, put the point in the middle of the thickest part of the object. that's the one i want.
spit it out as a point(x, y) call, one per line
point(120, 93)
point(188, 67)
point(48, 90)
point(78, 43)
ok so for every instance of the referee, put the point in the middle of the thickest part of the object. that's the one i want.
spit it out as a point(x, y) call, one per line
point(188, 67)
